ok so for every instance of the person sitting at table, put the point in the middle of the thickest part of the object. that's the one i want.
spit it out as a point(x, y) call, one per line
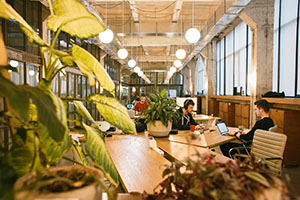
point(186, 118)
point(262, 108)
point(140, 106)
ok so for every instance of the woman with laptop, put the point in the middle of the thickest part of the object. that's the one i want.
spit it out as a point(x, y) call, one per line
point(262, 108)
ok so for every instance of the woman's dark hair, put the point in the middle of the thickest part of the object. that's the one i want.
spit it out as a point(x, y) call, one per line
point(264, 104)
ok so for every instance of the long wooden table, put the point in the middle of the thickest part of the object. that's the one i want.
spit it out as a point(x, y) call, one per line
point(181, 151)
point(140, 168)
point(202, 117)
point(206, 140)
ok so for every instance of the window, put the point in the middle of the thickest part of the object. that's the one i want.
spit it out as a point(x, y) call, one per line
point(32, 74)
point(286, 48)
point(17, 77)
point(201, 77)
point(233, 62)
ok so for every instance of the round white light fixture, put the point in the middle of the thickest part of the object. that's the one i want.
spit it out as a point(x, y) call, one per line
point(31, 73)
point(122, 53)
point(180, 54)
point(177, 63)
point(192, 35)
point(131, 63)
point(173, 69)
point(14, 63)
point(141, 73)
point(170, 73)
point(137, 69)
point(106, 36)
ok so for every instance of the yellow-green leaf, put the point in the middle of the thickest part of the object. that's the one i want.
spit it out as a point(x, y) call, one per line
point(113, 112)
point(7, 12)
point(24, 155)
point(81, 109)
point(74, 19)
point(96, 149)
point(91, 64)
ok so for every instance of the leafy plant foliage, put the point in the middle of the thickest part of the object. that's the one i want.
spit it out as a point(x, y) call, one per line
point(161, 108)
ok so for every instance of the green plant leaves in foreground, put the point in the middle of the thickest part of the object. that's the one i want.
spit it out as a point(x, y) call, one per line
point(89, 63)
point(113, 112)
point(51, 111)
point(7, 12)
point(73, 18)
point(96, 149)
point(52, 149)
point(83, 112)
point(24, 155)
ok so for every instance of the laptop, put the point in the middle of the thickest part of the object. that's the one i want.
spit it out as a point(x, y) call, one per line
point(223, 128)
point(210, 124)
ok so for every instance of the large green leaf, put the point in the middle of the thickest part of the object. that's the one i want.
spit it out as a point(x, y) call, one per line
point(83, 112)
point(91, 63)
point(74, 19)
point(7, 12)
point(82, 156)
point(51, 111)
point(96, 149)
point(52, 149)
point(24, 155)
point(113, 112)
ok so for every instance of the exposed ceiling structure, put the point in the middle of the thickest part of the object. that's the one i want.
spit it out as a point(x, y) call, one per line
point(152, 30)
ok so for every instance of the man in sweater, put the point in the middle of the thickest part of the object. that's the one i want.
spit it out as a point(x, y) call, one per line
point(262, 108)
point(140, 106)
point(186, 118)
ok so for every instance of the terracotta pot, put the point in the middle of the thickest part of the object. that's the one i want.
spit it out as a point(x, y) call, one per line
point(158, 129)
point(89, 192)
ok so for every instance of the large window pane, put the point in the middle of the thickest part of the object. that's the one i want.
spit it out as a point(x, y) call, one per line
point(288, 47)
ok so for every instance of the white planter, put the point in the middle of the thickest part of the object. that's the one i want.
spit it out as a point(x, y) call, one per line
point(89, 192)
point(158, 129)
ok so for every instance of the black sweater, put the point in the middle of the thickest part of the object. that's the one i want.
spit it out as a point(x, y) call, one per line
point(185, 121)
point(263, 124)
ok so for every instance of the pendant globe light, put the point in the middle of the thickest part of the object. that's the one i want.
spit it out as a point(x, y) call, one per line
point(177, 63)
point(141, 73)
point(137, 69)
point(192, 35)
point(106, 36)
point(173, 69)
point(170, 73)
point(131, 63)
point(180, 54)
point(123, 53)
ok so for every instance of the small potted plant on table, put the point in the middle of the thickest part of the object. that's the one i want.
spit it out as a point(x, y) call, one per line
point(160, 114)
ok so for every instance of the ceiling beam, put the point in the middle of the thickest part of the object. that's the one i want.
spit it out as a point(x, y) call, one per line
point(154, 41)
point(150, 58)
point(177, 10)
point(133, 9)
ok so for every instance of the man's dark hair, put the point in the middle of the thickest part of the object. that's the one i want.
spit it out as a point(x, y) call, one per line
point(187, 103)
point(264, 104)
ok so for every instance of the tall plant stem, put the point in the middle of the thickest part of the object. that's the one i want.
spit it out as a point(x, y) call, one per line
point(50, 7)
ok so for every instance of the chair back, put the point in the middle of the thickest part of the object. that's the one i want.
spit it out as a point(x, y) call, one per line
point(274, 128)
point(267, 144)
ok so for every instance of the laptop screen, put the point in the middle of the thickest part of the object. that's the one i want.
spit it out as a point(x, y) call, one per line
point(222, 127)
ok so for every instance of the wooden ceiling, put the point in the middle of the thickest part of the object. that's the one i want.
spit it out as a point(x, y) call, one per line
point(152, 30)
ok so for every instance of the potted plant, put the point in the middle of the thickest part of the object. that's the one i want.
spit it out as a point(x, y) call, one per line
point(37, 118)
point(203, 178)
point(160, 114)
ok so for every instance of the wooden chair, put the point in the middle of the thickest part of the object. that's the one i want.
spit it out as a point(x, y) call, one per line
point(267, 147)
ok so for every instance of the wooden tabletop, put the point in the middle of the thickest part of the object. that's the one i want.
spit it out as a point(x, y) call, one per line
point(140, 168)
point(206, 140)
point(181, 151)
